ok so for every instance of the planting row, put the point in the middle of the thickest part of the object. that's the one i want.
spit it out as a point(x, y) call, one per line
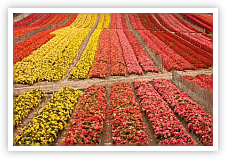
point(50, 120)
point(162, 102)
point(197, 120)
point(86, 126)
point(204, 81)
point(52, 60)
point(25, 103)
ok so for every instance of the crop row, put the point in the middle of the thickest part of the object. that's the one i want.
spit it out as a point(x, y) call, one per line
point(50, 120)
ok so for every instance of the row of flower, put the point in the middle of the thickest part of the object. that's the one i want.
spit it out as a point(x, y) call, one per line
point(112, 24)
point(81, 70)
point(180, 27)
point(181, 20)
point(104, 21)
point(197, 60)
point(196, 39)
point(142, 57)
point(50, 120)
point(170, 59)
point(118, 21)
point(127, 124)
point(52, 60)
point(167, 128)
point(199, 40)
point(101, 64)
point(148, 22)
point(44, 21)
point(194, 48)
point(193, 19)
point(36, 25)
point(86, 126)
point(26, 21)
point(25, 103)
point(198, 121)
point(204, 81)
point(205, 18)
point(132, 64)
point(129, 45)
point(118, 67)
point(25, 48)
point(136, 22)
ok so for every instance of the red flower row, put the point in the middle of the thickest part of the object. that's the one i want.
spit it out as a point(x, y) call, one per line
point(135, 21)
point(190, 45)
point(112, 24)
point(180, 61)
point(198, 40)
point(25, 48)
point(186, 24)
point(193, 19)
point(123, 20)
point(197, 60)
point(118, 21)
point(27, 20)
point(167, 128)
point(100, 66)
point(148, 22)
point(132, 64)
point(142, 57)
point(87, 125)
point(127, 124)
point(168, 63)
point(204, 81)
point(198, 121)
point(116, 56)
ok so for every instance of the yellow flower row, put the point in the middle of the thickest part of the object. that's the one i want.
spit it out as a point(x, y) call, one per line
point(79, 21)
point(101, 21)
point(24, 103)
point(31, 71)
point(51, 119)
point(86, 61)
point(106, 20)
point(84, 20)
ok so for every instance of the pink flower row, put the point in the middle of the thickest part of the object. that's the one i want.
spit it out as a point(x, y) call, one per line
point(198, 121)
point(167, 128)
point(142, 57)
point(132, 64)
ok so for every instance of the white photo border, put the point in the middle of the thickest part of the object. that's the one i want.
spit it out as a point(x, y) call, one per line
point(112, 148)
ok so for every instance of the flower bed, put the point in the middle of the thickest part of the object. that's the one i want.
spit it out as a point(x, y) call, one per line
point(101, 64)
point(87, 125)
point(25, 103)
point(116, 56)
point(50, 120)
point(132, 64)
point(127, 124)
point(167, 128)
point(81, 70)
point(198, 121)
point(142, 57)
point(204, 81)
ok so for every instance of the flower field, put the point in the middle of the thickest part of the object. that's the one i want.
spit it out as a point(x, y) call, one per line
point(113, 79)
